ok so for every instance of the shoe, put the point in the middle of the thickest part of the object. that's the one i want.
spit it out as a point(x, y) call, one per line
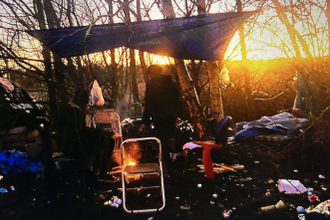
point(107, 179)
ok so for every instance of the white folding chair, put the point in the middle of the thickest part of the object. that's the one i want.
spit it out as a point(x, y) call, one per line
point(109, 121)
point(142, 175)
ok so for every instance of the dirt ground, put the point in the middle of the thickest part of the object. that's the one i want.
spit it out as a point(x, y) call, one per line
point(189, 196)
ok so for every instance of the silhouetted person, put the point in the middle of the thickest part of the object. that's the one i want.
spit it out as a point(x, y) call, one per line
point(162, 106)
point(87, 144)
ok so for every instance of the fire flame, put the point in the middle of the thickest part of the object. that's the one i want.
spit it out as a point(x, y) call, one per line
point(129, 161)
point(130, 156)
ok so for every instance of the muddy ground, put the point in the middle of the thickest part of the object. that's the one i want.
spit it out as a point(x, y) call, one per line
point(244, 192)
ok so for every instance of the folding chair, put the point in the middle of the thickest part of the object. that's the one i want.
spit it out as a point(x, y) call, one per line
point(142, 175)
point(109, 121)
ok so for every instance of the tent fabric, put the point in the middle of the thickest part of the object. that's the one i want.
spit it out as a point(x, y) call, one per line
point(204, 37)
point(283, 123)
point(14, 162)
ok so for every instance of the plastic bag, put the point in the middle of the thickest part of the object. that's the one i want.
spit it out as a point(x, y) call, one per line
point(96, 97)
point(13, 161)
point(224, 76)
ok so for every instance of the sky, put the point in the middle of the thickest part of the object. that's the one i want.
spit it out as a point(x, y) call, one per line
point(262, 45)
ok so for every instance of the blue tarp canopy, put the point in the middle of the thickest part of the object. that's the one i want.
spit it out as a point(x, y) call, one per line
point(204, 37)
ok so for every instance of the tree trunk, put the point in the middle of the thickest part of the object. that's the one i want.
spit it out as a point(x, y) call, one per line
point(135, 91)
point(328, 16)
point(141, 53)
point(215, 91)
point(302, 97)
point(50, 79)
point(249, 100)
point(197, 117)
point(241, 32)
point(293, 33)
point(213, 73)
point(113, 71)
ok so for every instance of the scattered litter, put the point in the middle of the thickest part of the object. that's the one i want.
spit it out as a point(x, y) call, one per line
point(212, 202)
point(244, 179)
point(107, 191)
point(215, 195)
point(279, 205)
point(324, 188)
point(114, 202)
point(267, 194)
point(199, 185)
point(322, 208)
point(107, 202)
point(256, 162)
point(3, 190)
point(151, 218)
point(222, 168)
point(177, 198)
point(226, 213)
point(238, 167)
point(291, 186)
point(185, 207)
point(117, 200)
point(310, 191)
point(321, 176)
point(296, 171)
point(12, 188)
point(313, 198)
point(270, 181)
point(300, 209)
point(1, 177)
point(301, 216)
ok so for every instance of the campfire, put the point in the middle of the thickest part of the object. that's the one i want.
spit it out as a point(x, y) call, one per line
point(134, 162)
point(129, 161)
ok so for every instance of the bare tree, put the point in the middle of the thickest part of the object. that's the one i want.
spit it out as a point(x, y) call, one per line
point(195, 110)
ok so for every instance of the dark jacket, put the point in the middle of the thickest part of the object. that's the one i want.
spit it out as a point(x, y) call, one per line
point(162, 99)
point(70, 132)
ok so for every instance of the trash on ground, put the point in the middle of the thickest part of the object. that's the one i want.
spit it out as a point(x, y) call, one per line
point(291, 186)
point(301, 216)
point(185, 207)
point(279, 205)
point(321, 176)
point(13, 161)
point(226, 213)
point(322, 208)
point(3, 190)
point(313, 198)
point(222, 168)
point(300, 209)
point(267, 194)
point(114, 202)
